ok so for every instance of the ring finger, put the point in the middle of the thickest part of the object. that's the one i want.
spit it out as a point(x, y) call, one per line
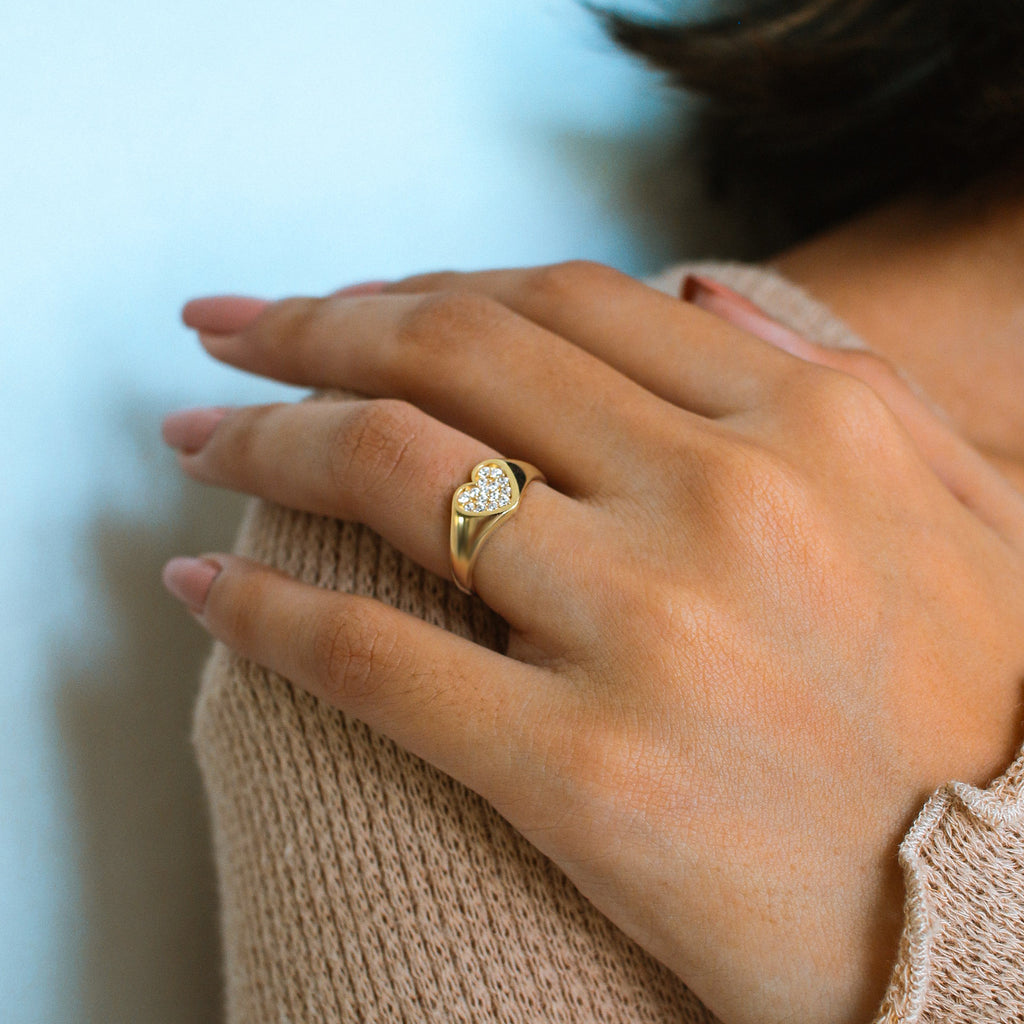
point(390, 466)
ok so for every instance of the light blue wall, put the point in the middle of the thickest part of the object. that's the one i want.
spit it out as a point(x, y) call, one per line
point(151, 152)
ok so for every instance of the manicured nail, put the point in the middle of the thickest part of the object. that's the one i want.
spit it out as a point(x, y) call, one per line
point(189, 430)
point(222, 314)
point(190, 579)
point(353, 291)
point(738, 310)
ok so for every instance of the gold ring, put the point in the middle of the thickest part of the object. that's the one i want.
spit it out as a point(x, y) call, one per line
point(479, 507)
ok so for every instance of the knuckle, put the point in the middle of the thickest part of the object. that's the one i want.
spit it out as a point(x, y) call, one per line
point(436, 281)
point(848, 412)
point(431, 326)
point(235, 450)
point(719, 468)
point(868, 366)
point(871, 368)
point(742, 498)
point(747, 476)
point(371, 443)
point(559, 282)
point(279, 334)
point(237, 604)
point(352, 655)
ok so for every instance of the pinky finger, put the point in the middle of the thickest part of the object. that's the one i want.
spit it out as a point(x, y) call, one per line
point(466, 709)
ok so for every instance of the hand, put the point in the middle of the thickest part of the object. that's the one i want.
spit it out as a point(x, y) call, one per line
point(751, 627)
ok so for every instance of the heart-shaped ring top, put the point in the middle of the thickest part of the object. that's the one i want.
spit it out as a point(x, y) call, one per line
point(479, 507)
point(491, 491)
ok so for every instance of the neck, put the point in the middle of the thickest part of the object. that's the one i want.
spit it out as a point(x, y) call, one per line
point(938, 289)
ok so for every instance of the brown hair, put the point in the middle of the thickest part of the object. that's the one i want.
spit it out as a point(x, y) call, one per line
point(815, 109)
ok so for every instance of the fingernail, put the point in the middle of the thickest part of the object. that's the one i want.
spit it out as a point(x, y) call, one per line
point(353, 291)
point(709, 294)
point(738, 310)
point(190, 579)
point(692, 288)
point(189, 430)
point(222, 314)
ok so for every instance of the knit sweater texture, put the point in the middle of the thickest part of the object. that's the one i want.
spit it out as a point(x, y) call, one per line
point(359, 884)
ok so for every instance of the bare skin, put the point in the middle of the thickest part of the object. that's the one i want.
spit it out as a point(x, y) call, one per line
point(938, 289)
point(731, 648)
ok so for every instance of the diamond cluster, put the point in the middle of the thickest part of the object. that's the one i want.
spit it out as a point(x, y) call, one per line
point(491, 491)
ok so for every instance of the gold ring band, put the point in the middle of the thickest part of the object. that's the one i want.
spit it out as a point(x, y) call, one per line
point(480, 506)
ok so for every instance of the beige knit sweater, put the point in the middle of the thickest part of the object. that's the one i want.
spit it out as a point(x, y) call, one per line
point(359, 884)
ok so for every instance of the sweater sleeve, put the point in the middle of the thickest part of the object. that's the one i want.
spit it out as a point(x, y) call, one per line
point(962, 950)
point(961, 956)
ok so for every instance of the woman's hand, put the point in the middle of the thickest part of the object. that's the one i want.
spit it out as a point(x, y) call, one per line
point(752, 626)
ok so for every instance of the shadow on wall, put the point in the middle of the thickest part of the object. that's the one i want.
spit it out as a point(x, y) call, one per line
point(151, 945)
